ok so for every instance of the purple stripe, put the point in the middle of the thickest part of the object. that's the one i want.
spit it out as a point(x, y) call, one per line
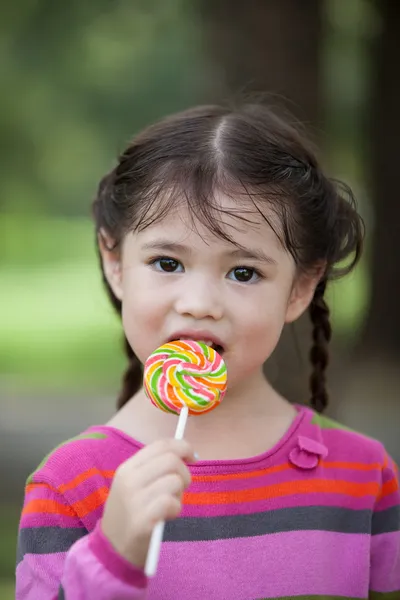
point(38, 576)
point(44, 493)
point(311, 499)
point(48, 520)
point(69, 449)
point(89, 486)
point(344, 444)
point(352, 475)
point(318, 563)
point(91, 519)
point(385, 567)
point(389, 472)
point(388, 502)
point(90, 453)
point(123, 445)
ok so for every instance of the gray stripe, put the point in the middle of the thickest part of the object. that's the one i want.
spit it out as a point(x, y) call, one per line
point(386, 521)
point(323, 518)
point(47, 540)
point(61, 594)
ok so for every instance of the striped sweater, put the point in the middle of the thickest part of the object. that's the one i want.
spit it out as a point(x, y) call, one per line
point(316, 517)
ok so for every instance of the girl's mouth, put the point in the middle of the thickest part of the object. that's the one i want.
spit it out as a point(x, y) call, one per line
point(217, 347)
point(209, 342)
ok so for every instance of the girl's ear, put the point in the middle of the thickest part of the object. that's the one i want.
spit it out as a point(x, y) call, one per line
point(302, 294)
point(111, 261)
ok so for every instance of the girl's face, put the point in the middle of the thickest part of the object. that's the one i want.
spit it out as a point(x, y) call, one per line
point(176, 279)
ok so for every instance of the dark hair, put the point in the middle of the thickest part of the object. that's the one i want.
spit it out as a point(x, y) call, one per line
point(250, 151)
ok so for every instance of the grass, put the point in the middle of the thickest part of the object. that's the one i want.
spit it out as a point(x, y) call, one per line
point(7, 590)
point(9, 517)
point(56, 325)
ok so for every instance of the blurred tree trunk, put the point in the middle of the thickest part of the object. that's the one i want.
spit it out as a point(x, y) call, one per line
point(368, 398)
point(268, 45)
point(381, 336)
point(272, 46)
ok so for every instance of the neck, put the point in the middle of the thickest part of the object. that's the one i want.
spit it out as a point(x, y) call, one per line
point(243, 408)
point(252, 397)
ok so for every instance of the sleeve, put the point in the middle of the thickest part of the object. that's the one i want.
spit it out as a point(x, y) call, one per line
point(58, 559)
point(385, 540)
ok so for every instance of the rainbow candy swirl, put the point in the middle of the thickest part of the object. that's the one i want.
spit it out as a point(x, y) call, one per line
point(185, 373)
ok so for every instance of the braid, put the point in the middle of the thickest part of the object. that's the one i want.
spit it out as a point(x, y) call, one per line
point(319, 356)
point(132, 379)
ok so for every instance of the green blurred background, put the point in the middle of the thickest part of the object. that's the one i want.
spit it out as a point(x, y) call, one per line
point(79, 79)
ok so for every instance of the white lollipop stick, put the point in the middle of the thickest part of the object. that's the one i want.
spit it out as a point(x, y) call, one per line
point(158, 531)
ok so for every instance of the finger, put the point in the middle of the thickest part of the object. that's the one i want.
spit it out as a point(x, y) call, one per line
point(162, 508)
point(158, 467)
point(181, 448)
point(170, 485)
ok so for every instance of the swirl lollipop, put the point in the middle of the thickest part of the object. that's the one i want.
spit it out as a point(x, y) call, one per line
point(182, 377)
point(185, 374)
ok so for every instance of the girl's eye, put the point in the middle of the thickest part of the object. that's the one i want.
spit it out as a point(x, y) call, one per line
point(167, 265)
point(244, 275)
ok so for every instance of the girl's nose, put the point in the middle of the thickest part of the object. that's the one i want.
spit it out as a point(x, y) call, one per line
point(199, 299)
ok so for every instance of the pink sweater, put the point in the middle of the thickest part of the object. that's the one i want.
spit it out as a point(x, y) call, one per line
point(316, 517)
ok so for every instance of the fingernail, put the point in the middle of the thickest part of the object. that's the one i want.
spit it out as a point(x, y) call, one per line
point(196, 456)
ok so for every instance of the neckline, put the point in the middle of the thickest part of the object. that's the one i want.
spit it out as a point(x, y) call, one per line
point(264, 457)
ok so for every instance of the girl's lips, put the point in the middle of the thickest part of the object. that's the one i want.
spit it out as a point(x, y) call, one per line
point(199, 336)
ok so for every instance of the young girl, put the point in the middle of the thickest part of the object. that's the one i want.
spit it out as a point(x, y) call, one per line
point(218, 225)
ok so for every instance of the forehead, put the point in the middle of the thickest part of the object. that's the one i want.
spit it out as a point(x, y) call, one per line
point(241, 220)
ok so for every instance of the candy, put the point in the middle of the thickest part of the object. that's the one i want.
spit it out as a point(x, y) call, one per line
point(185, 373)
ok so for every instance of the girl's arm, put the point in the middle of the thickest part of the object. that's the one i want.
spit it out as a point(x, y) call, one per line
point(59, 560)
point(385, 544)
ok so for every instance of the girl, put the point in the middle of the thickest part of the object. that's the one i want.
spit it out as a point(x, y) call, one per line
point(218, 225)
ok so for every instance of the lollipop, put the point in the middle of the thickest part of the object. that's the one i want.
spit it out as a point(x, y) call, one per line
point(182, 377)
point(185, 374)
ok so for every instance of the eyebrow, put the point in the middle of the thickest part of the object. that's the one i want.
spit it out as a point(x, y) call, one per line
point(253, 254)
point(239, 253)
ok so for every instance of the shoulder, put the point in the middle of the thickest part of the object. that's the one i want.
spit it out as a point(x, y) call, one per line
point(360, 465)
point(346, 444)
point(92, 447)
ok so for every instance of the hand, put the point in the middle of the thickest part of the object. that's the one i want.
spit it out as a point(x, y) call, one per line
point(146, 489)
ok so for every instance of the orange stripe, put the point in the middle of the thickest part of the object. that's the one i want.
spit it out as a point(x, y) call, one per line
point(50, 507)
point(91, 502)
point(284, 467)
point(356, 466)
point(31, 487)
point(388, 488)
point(83, 477)
point(356, 490)
point(81, 508)
point(393, 465)
point(204, 478)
